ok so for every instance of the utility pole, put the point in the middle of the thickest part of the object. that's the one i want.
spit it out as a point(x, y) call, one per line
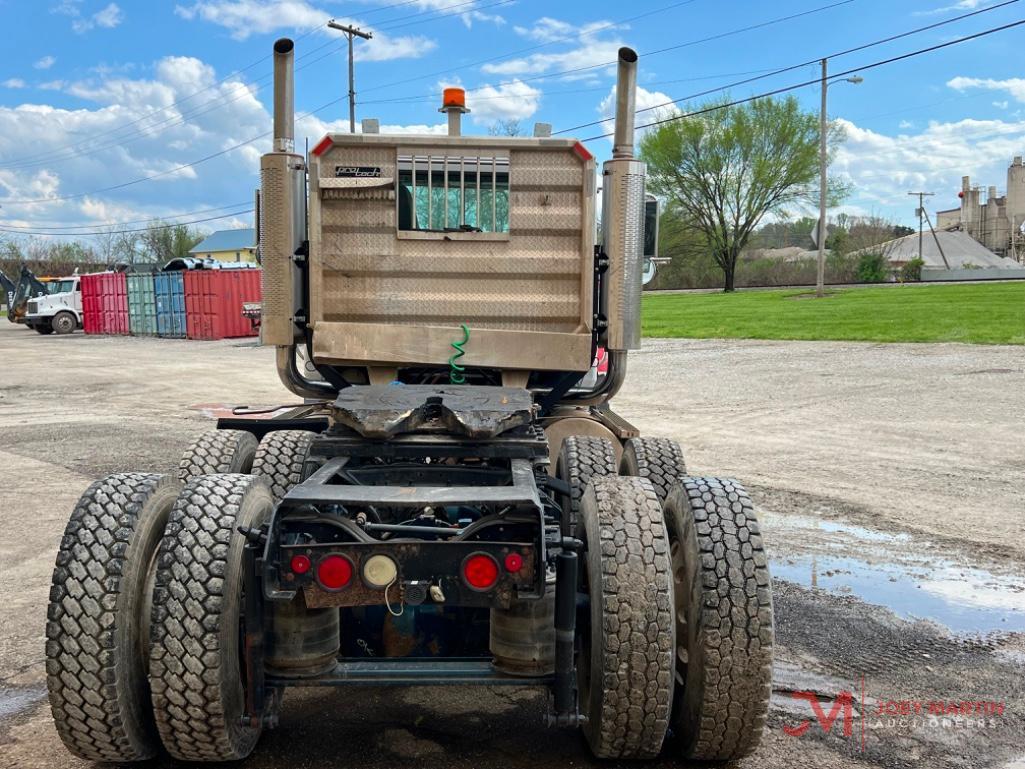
point(820, 276)
point(351, 32)
point(921, 217)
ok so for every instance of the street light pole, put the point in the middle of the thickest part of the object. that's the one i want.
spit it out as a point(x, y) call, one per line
point(351, 32)
point(820, 275)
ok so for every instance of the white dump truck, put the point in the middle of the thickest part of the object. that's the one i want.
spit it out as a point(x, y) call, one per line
point(59, 310)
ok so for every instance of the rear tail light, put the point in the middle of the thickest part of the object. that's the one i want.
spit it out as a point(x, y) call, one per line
point(380, 571)
point(480, 571)
point(513, 562)
point(300, 564)
point(334, 572)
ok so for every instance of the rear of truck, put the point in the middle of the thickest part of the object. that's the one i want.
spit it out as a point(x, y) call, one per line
point(455, 502)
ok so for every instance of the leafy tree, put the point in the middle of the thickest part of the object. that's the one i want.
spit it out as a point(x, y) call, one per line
point(873, 267)
point(163, 242)
point(911, 270)
point(729, 166)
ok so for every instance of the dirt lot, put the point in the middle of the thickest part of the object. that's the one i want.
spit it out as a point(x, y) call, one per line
point(891, 480)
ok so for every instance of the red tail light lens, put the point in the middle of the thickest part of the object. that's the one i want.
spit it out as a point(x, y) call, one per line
point(300, 564)
point(513, 562)
point(480, 571)
point(334, 572)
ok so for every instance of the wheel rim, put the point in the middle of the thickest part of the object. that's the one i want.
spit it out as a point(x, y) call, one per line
point(63, 324)
point(681, 592)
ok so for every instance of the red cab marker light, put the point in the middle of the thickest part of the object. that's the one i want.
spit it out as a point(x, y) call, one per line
point(582, 151)
point(300, 564)
point(513, 562)
point(334, 572)
point(480, 571)
point(322, 146)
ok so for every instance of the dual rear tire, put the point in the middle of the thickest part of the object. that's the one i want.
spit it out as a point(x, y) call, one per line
point(143, 639)
point(665, 547)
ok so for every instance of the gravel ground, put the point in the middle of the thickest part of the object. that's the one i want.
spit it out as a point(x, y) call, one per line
point(890, 478)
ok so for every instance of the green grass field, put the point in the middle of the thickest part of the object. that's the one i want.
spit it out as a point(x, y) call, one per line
point(987, 313)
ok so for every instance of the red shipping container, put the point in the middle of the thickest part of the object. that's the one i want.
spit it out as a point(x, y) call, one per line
point(214, 299)
point(105, 303)
point(91, 303)
point(114, 303)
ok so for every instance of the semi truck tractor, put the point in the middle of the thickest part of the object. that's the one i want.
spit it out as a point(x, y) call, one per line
point(456, 504)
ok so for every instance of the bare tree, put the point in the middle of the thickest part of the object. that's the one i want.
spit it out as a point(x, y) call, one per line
point(106, 244)
point(505, 128)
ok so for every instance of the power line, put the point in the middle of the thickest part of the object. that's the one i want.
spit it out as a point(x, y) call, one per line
point(169, 171)
point(809, 62)
point(719, 36)
point(816, 81)
point(553, 41)
point(105, 225)
point(140, 229)
point(430, 99)
point(335, 101)
point(219, 102)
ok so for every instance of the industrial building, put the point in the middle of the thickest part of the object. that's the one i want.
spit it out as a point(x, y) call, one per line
point(997, 222)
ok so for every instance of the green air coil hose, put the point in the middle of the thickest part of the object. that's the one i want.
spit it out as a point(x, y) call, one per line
point(457, 373)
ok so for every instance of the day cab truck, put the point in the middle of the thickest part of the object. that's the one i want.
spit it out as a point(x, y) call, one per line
point(59, 310)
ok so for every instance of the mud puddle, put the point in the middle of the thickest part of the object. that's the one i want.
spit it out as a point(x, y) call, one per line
point(916, 579)
point(15, 701)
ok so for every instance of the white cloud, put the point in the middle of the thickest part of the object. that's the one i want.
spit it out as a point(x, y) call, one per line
point(45, 63)
point(588, 53)
point(14, 82)
point(108, 17)
point(507, 101)
point(906, 124)
point(646, 100)
point(1014, 86)
point(586, 59)
point(248, 17)
point(133, 129)
point(244, 18)
point(549, 30)
point(883, 168)
point(961, 5)
point(1002, 104)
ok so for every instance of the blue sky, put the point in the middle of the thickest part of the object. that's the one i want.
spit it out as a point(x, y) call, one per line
point(95, 94)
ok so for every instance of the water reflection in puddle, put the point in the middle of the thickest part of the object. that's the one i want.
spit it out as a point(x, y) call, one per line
point(913, 579)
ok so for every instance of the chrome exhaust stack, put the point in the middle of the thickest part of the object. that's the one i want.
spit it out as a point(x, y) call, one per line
point(282, 225)
point(284, 95)
point(626, 99)
point(623, 219)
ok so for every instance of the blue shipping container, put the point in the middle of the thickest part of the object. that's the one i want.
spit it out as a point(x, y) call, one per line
point(169, 288)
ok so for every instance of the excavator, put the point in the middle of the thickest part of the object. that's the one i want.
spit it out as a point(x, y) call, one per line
point(28, 286)
point(8, 287)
